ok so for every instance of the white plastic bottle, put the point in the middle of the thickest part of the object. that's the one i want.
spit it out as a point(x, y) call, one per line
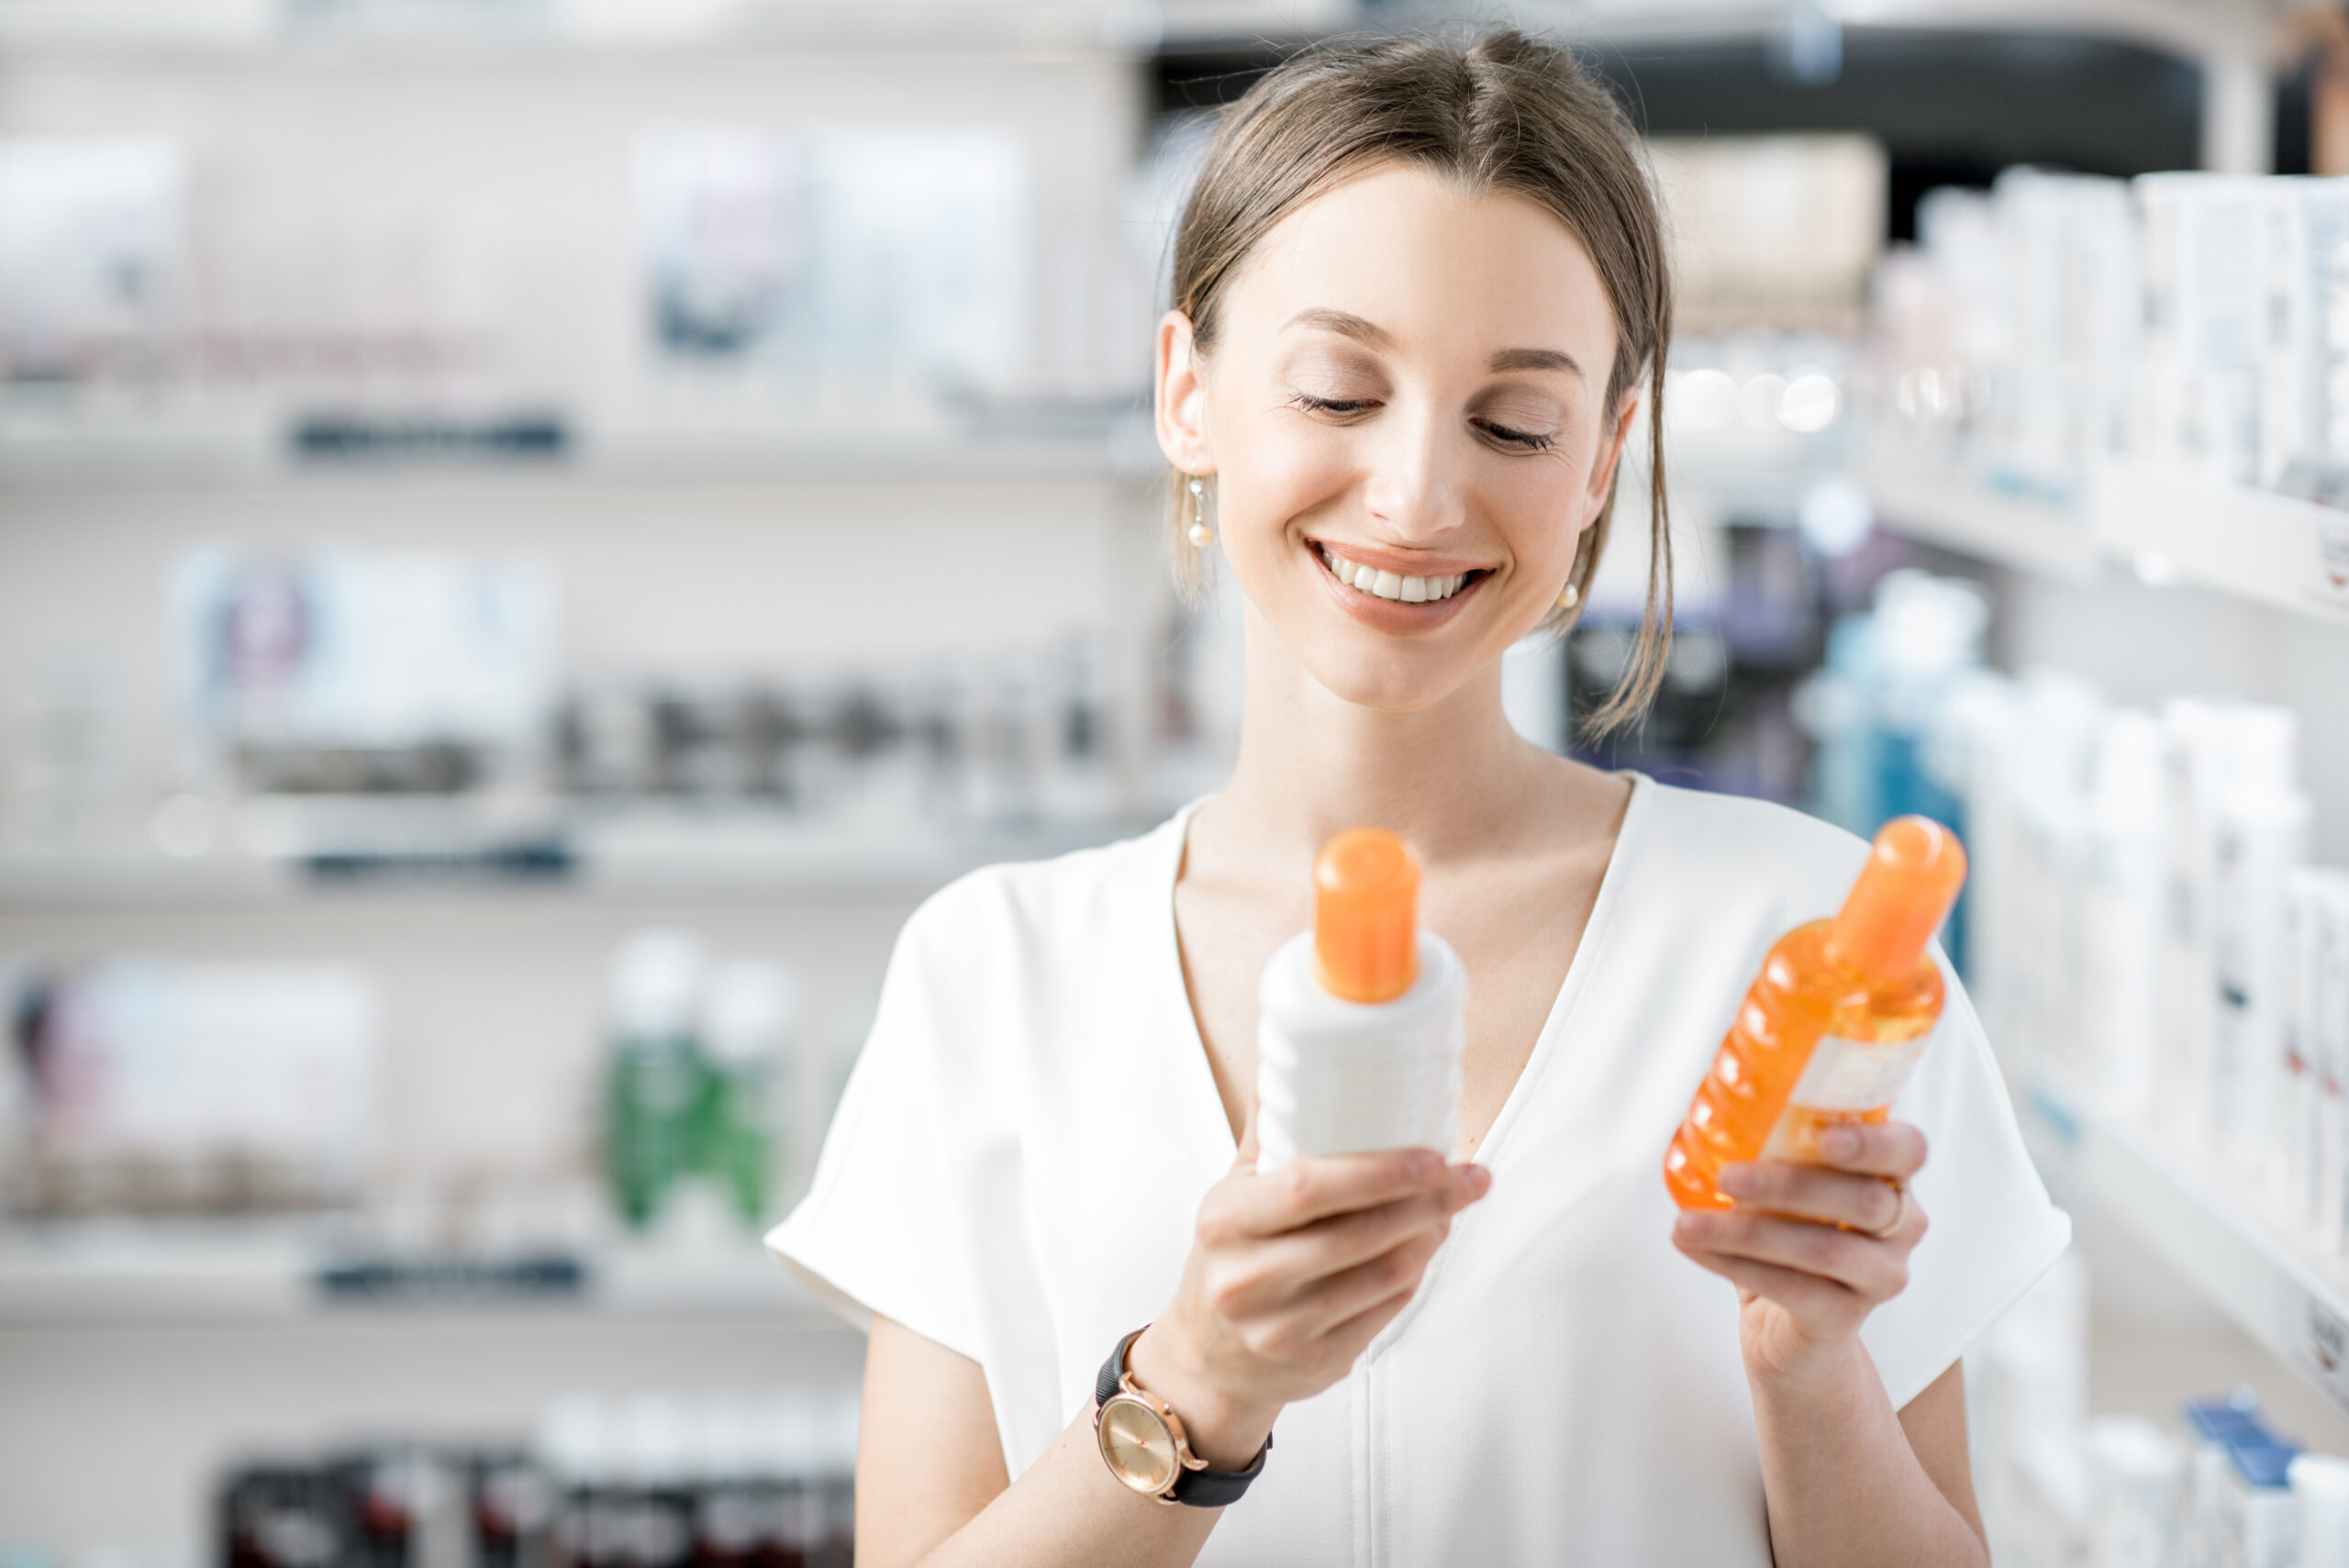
point(2122, 914)
point(1361, 1019)
point(2321, 1487)
point(2259, 833)
point(2296, 1031)
point(2192, 729)
point(2328, 997)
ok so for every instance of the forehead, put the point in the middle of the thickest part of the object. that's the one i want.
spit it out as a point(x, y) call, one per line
point(1443, 270)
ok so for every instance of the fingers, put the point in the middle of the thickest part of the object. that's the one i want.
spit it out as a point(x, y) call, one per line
point(1328, 1246)
point(1805, 1295)
point(1395, 1273)
point(1814, 1192)
point(1249, 1276)
point(1876, 1270)
point(1885, 1149)
point(1311, 1189)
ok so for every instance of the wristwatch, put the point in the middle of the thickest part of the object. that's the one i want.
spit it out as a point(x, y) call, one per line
point(1143, 1444)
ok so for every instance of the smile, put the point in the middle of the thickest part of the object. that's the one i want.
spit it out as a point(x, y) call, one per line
point(1390, 585)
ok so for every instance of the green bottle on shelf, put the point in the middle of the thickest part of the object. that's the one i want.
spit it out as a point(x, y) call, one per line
point(655, 1091)
point(745, 1022)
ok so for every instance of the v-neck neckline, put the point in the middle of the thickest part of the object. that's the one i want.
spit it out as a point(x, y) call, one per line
point(1199, 1074)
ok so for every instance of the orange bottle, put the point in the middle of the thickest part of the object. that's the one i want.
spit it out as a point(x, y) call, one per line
point(1833, 1023)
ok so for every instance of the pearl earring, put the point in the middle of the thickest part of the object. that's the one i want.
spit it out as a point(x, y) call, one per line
point(1198, 533)
point(1569, 596)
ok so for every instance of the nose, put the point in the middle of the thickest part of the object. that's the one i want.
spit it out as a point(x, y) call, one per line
point(1414, 488)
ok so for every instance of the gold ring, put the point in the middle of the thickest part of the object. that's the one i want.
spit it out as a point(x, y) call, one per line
point(1900, 1210)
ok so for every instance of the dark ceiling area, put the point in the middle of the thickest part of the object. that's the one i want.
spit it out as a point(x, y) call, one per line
point(1950, 107)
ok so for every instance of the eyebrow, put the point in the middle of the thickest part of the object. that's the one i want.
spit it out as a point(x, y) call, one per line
point(1536, 359)
point(1346, 324)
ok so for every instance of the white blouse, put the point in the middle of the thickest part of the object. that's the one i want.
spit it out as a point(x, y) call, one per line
point(1017, 1162)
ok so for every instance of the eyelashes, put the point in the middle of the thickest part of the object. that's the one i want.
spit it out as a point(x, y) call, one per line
point(1524, 440)
point(1340, 407)
point(1346, 409)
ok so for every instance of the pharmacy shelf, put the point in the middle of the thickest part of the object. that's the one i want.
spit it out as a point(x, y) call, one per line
point(49, 452)
point(2274, 1283)
point(2164, 524)
point(621, 860)
point(2269, 548)
point(1934, 501)
point(244, 27)
point(130, 1272)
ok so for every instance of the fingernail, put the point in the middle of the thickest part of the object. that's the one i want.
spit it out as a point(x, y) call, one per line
point(1694, 1226)
point(1480, 1180)
point(1737, 1180)
point(1426, 1163)
point(1839, 1143)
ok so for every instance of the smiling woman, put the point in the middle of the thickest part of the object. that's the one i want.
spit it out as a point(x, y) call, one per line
point(1511, 119)
point(1420, 294)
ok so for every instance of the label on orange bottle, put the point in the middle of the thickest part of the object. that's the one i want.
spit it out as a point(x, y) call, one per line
point(1843, 1080)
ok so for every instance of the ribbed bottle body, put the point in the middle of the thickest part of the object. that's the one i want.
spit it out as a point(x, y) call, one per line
point(1814, 1045)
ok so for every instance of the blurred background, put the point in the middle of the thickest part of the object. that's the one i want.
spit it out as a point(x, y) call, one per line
point(533, 532)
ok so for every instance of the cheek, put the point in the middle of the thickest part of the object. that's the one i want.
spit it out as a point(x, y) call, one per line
point(1285, 468)
point(1539, 505)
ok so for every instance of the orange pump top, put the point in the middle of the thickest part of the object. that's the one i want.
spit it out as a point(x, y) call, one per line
point(1366, 915)
point(1903, 894)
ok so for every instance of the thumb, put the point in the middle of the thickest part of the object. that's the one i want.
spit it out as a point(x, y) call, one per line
point(1246, 1159)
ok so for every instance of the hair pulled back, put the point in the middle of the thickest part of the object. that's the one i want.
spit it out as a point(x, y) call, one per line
point(1507, 115)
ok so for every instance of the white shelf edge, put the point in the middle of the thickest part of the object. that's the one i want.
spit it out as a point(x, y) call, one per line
point(2269, 548)
point(1944, 505)
point(2167, 523)
point(2276, 1287)
point(267, 1275)
point(61, 457)
point(788, 861)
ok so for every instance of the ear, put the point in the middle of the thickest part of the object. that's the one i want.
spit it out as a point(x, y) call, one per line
point(1182, 398)
point(1602, 473)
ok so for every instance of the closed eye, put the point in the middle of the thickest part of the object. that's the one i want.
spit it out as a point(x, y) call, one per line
point(1524, 440)
point(1337, 407)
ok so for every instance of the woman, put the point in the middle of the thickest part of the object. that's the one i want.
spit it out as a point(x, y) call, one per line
point(1417, 294)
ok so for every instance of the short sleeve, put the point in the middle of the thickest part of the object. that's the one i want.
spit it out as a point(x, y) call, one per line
point(1993, 1229)
point(871, 1234)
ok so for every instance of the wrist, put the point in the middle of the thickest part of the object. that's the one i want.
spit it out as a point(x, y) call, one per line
point(1809, 1374)
point(1225, 1427)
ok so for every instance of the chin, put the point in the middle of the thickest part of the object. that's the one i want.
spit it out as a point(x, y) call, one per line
point(1387, 680)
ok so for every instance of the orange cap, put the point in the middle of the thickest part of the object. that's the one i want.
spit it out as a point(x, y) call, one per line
point(1366, 915)
point(1903, 895)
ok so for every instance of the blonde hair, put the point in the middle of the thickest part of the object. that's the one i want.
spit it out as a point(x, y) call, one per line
point(1507, 113)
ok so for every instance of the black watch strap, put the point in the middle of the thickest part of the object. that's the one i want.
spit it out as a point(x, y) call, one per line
point(1198, 1489)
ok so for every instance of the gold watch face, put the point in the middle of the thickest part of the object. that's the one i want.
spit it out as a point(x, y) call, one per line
point(1140, 1449)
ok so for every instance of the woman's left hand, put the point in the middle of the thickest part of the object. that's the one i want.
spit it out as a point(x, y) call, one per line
point(1805, 1285)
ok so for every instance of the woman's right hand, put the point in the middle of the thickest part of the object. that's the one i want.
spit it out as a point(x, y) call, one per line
point(1292, 1273)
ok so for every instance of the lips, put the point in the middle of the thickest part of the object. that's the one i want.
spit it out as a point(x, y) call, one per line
point(1374, 587)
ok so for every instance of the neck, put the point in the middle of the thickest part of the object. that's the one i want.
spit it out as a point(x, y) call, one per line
point(1454, 777)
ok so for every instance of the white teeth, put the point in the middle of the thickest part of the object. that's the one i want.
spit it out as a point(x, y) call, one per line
point(1390, 584)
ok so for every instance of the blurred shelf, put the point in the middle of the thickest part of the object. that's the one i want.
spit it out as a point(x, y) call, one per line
point(1939, 504)
point(2167, 525)
point(2267, 548)
point(2276, 1283)
point(932, 26)
point(131, 1273)
point(622, 858)
point(49, 452)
